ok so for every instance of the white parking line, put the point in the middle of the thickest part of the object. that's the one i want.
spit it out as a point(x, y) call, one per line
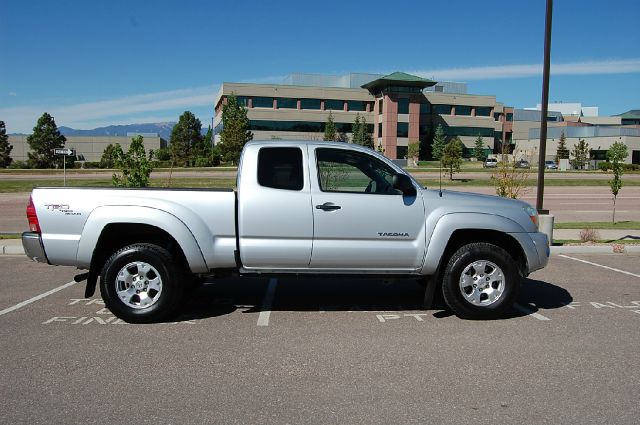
point(36, 298)
point(530, 311)
point(265, 311)
point(599, 265)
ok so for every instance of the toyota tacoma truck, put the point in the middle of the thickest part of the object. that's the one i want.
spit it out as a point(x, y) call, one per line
point(300, 208)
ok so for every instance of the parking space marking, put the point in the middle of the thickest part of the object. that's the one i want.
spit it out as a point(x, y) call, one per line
point(530, 311)
point(599, 265)
point(265, 310)
point(36, 298)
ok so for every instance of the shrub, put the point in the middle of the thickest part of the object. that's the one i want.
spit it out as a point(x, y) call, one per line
point(604, 166)
point(15, 165)
point(589, 235)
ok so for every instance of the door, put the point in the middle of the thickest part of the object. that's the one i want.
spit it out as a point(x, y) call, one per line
point(275, 222)
point(360, 220)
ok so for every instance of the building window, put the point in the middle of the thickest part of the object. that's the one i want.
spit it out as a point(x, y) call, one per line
point(403, 129)
point(287, 103)
point(425, 108)
point(379, 129)
point(403, 106)
point(402, 152)
point(463, 110)
point(380, 106)
point(310, 104)
point(334, 105)
point(442, 109)
point(263, 102)
point(509, 116)
point(356, 105)
point(483, 111)
point(496, 116)
point(469, 131)
point(300, 126)
point(242, 101)
point(280, 168)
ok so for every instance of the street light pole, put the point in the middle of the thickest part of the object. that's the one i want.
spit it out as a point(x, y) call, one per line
point(545, 108)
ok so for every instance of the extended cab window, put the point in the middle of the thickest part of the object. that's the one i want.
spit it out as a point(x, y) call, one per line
point(280, 168)
point(341, 170)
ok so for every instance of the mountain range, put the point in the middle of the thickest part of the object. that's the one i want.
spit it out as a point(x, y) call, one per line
point(162, 128)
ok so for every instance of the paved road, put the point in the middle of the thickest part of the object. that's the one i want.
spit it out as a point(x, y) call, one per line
point(344, 351)
point(566, 203)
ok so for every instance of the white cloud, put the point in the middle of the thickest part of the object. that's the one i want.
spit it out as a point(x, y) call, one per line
point(531, 70)
point(121, 110)
point(12, 93)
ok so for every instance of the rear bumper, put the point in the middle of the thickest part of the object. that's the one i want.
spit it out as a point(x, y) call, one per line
point(33, 248)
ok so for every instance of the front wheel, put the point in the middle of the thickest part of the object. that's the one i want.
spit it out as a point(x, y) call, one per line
point(480, 281)
point(139, 284)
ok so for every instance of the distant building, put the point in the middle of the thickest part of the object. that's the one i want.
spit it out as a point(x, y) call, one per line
point(398, 108)
point(88, 148)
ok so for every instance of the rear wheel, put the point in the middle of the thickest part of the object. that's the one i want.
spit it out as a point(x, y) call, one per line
point(139, 284)
point(480, 281)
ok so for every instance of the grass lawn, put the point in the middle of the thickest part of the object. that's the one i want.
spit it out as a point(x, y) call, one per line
point(627, 225)
point(13, 186)
point(10, 236)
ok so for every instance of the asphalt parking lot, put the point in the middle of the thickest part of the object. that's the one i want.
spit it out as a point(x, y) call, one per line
point(332, 351)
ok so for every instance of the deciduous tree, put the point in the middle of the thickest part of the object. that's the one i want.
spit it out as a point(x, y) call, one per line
point(616, 155)
point(135, 168)
point(580, 154)
point(452, 156)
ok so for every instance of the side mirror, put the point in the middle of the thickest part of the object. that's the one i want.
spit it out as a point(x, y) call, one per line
point(403, 183)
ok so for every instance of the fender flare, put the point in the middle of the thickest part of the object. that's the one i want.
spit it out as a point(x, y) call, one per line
point(449, 223)
point(103, 216)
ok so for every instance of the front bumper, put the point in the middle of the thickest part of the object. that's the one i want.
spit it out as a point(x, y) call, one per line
point(33, 248)
point(536, 248)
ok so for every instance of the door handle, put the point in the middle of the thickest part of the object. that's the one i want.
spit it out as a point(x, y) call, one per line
point(328, 206)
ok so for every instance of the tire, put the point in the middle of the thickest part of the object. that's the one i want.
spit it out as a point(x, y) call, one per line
point(480, 281)
point(140, 284)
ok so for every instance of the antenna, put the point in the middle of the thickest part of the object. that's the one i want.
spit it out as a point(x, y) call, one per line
point(440, 192)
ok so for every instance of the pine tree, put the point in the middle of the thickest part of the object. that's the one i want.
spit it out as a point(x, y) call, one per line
point(330, 133)
point(367, 138)
point(478, 149)
point(356, 131)
point(439, 142)
point(562, 152)
point(235, 131)
point(108, 156)
point(43, 141)
point(580, 154)
point(186, 139)
point(452, 156)
point(5, 147)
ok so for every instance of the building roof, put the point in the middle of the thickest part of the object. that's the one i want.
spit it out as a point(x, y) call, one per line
point(400, 79)
point(634, 113)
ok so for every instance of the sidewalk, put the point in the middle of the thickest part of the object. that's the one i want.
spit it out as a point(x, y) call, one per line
point(14, 246)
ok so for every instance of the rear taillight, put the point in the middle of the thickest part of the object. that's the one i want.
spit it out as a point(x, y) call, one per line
point(32, 217)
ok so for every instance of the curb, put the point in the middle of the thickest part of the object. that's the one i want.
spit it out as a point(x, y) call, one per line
point(12, 250)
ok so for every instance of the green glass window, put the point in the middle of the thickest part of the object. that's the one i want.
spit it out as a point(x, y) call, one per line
point(402, 152)
point(442, 109)
point(380, 106)
point(509, 116)
point(496, 116)
point(463, 110)
point(341, 170)
point(469, 131)
point(300, 126)
point(263, 102)
point(287, 103)
point(403, 129)
point(483, 111)
point(334, 105)
point(425, 108)
point(310, 103)
point(403, 106)
point(356, 105)
point(242, 100)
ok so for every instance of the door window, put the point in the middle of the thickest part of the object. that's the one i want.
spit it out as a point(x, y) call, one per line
point(341, 170)
point(280, 168)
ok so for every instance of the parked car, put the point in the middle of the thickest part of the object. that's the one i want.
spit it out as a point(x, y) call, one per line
point(523, 163)
point(490, 163)
point(292, 214)
point(550, 165)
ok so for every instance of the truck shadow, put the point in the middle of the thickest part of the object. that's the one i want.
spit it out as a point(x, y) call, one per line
point(219, 297)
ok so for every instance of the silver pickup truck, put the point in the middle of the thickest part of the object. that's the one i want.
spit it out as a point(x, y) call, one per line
point(301, 208)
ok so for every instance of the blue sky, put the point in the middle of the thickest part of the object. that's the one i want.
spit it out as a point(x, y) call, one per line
point(94, 63)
